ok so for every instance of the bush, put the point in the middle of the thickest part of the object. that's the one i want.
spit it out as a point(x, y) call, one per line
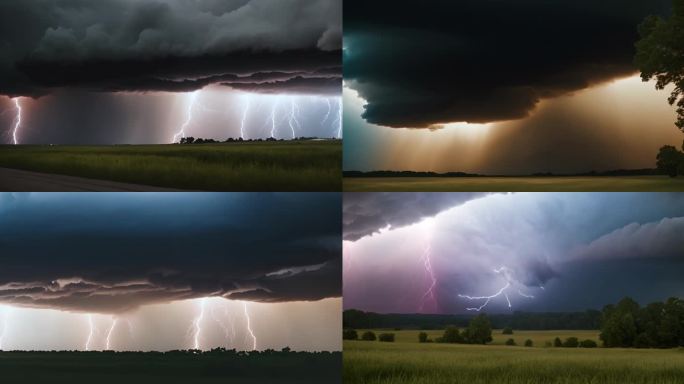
point(368, 336)
point(588, 344)
point(528, 343)
point(557, 342)
point(452, 335)
point(510, 342)
point(422, 337)
point(350, 334)
point(507, 331)
point(571, 342)
point(386, 337)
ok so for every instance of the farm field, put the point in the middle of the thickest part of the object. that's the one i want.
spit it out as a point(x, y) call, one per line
point(515, 184)
point(407, 361)
point(247, 166)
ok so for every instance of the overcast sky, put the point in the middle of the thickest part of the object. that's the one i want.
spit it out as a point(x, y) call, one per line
point(152, 258)
point(411, 253)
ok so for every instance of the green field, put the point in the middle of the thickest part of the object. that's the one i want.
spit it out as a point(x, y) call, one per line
point(407, 361)
point(169, 368)
point(515, 184)
point(248, 166)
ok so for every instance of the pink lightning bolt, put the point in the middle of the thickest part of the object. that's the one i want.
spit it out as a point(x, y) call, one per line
point(429, 294)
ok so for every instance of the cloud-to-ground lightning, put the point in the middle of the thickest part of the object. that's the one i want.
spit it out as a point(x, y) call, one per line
point(430, 292)
point(274, 109)
point(327, 113)
point(91, 332)
point(249, 326)
point(293, 121)
point(188, 118)
point(506, 273)
point(338, 119)
point(17, 120)
point(246, 102)
point(109, 333)
point(197, 324)
point(228, 332)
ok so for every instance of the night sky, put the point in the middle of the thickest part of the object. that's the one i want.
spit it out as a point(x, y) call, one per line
point(585, 249)
point(69, 49)
point(500, 87)
point(153, 258)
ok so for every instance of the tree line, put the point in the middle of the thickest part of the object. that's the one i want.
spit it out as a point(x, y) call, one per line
point(657, 325)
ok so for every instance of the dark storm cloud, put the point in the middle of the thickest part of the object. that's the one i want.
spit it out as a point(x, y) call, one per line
point(114, 252)
point(367, 213)
point(297, 84)
point(172, 45)
point(483, 61)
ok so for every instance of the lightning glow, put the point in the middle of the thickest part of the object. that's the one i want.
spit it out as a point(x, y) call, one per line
point(228, 332)
point(506, 273)
point(109, 333)
point(249, 327)
point(90, 334)
point(197, 324)
point(188, 119)
point(17, 120)
point(3, 326)
point(430, 292)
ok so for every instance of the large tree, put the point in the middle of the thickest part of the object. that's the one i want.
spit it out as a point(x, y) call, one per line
point(660, 54)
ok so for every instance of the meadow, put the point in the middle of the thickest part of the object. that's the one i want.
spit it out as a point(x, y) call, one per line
point(169, 368)
point(515, 184)
point(246, 166)
point(410, 362)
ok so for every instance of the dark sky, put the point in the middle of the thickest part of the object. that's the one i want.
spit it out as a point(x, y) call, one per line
point(585, 249)
point(110, 253)
point(479, 61)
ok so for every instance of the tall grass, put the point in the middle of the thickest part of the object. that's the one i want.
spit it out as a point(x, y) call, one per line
point(264, 166)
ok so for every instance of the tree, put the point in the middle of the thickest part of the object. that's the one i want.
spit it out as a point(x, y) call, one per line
point(510, 342)
point(588, 344)
point(350, 334)
point(507, 331)
point(659, 54)
point(528, 343)
point(557, 342)
point(571, 342)
point(451, 335)
point(479, 330)
point(368, 336)
point(422, 337)
point(386, 337)
point(669, 160)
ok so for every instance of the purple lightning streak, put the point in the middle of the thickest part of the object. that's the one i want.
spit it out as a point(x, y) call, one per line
point(17, 120)
point(430, 292)
point(510, 281)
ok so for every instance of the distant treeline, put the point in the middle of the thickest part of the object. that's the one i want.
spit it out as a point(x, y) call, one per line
point(617, 172)
point(657, 325)
point(199, 140)
point(587, 320)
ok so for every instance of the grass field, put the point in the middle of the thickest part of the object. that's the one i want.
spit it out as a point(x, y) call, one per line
point(169, 368)
point(253, 166)
point(515, 184)
point(407, 361)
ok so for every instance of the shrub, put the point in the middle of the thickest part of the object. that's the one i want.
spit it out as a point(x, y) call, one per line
point(528, 343)
point(588, 344)
point(422, 337)
point(507, 331)
point(557, 342)
point(386, 337)
point(510, 342)
point(368, 336)
point(571, 342)
point(452, 335)
point(350, 334)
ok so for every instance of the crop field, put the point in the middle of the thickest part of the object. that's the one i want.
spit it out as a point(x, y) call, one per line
point(246, 166)
point(407, 361)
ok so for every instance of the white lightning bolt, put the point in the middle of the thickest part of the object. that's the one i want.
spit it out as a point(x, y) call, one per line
point(197, 324)
point(427, 263)
point(249, 327)
point(90, 335)
point(327, 114)
point(273, 116)
point(293, 120)
point(338, 120)
point(246, 101)
point(181, 132)
point(17, 120)
point(109, 333)
point(506, 273)
point(229, 333)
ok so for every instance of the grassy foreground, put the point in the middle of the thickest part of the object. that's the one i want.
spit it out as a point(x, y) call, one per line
point(252, 166)
point(515, 184)
point(170, 368)
point(407, 361)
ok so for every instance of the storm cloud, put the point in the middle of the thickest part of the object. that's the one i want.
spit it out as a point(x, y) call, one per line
point(112, 253)
point(477, 61)
point(171, 45)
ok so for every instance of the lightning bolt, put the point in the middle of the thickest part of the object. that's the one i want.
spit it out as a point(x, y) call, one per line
point(430, 292)
point(293, 120)
point(249, 326)
point(338, 119)
point(273, 116)
point(506, 273)
point(197, 324)
point(188, 118)
point(327, 114)
point(109, 333)
point(90, 335)
point(246, 101)
point(17, 120)
point(228, 333)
